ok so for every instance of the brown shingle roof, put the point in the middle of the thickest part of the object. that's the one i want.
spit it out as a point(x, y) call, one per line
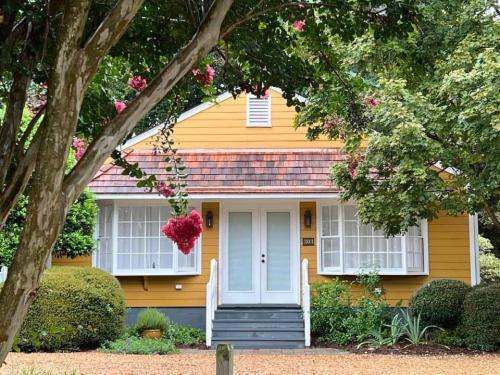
point(232, 171)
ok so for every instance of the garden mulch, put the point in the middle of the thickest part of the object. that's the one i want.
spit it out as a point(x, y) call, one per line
point(403, 349)
point(261, 362)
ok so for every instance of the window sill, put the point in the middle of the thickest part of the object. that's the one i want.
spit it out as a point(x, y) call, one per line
point(161, 273)
point(381, 273)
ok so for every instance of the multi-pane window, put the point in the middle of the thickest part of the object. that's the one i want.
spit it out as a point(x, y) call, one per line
point(139, 247)
point(104, 252)
point(348, 246)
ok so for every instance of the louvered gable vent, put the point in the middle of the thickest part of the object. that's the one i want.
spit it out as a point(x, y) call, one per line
point(258, 111)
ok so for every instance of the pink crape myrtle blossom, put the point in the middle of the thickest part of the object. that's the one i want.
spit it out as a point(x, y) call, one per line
point(119, 106)
point(206, 77)
point(79, 146)
point(164, 189)
point(371, 101)
point(299, 25)
point(184, 230)
point(137, 83)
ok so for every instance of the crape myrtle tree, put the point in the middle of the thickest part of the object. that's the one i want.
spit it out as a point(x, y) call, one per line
point(75, 51)
point(410, 109)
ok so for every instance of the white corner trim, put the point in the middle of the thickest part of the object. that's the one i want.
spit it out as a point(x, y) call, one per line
point(475, 277)
point(184, 116)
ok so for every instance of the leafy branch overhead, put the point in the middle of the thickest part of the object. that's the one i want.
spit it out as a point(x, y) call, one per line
point(425, 134)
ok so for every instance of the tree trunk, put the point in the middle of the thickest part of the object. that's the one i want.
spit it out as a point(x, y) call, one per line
point(47, 206)
point(51, 196)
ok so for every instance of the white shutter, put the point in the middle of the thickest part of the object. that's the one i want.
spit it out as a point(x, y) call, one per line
point(258, 111)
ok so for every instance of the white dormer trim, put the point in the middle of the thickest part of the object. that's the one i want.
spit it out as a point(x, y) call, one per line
point(258, 116)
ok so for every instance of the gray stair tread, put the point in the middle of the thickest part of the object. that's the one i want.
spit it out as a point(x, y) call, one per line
point(269, 320)
point(261, 345)
point(257, 327)
point(268, 329)
point(243, 338)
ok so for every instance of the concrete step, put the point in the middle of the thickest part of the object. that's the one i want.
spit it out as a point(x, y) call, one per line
point(256, 344)
point(260, 335)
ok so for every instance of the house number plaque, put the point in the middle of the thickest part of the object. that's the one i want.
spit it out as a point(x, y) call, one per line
point(308, 241)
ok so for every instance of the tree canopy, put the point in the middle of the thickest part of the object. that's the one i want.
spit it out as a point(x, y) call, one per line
point(419, 115)
point(72, 60)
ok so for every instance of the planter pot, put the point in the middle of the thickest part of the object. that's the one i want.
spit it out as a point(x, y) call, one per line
point(151, 333)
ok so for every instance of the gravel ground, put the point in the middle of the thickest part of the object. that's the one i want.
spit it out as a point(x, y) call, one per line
point(322, 361)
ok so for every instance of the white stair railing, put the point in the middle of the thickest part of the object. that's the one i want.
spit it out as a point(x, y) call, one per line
point(211, 302)
point(306, 302)
point(3, 274)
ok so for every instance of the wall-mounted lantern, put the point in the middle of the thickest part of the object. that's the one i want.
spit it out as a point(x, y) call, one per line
point(209, 219)
point(308, 219)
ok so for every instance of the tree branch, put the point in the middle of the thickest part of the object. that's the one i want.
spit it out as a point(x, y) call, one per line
point(199, 46)
point(12, 122)
point(492, 215)
point(259, 10)
point(18, 181)
point(108, 34)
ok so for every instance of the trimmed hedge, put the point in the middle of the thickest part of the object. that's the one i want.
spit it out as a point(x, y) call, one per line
point(481, 317)
point(75, 308)
point(440, 302)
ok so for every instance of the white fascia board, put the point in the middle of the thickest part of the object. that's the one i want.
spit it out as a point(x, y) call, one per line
point(184, 116)
point(300, 98)
point(450, 170)
point(221, 196)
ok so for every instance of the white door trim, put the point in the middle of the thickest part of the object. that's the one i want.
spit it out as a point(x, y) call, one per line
point(260, 208)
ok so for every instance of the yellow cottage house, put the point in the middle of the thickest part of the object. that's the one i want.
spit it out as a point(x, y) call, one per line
point(273, 225)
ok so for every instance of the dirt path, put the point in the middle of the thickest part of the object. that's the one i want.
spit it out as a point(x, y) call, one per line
point(246, 363)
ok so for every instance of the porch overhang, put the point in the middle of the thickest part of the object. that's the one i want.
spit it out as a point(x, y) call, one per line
point(230, 173)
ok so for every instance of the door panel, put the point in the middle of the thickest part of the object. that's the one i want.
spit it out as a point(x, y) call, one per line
point(260, 254)
point(278, 251)
point(240, 252)
point(239, 261)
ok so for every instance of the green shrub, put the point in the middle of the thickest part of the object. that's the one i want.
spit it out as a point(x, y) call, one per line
point(490, 267)
point(75, 308)
point(440, 302)
point(481, 317)
point(137, 345)
point(335, 319)
point(185, 335)
point(450, 337)
point(330, 307)
point(151, 319)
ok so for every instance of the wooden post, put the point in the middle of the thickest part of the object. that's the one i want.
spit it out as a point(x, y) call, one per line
point(224, 359)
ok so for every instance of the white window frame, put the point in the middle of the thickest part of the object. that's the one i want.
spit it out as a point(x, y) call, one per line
point(151, 272)
point(267, 124)
point(341, 270)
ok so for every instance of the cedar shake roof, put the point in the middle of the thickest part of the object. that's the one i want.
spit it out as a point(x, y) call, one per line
point(232, 171)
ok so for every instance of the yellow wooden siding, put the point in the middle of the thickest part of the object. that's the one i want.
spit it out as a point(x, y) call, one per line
point(224, 126)
point(161, 290)
point(83, 261)
point(449, 256)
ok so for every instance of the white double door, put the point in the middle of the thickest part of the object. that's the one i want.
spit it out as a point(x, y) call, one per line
point(260, 253)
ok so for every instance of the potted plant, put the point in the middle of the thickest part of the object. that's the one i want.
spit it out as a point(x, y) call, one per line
point(151, 323)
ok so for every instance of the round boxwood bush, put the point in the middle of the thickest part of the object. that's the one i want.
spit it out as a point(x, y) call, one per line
point(440, 302)
point(75, 308)
point(481, 317)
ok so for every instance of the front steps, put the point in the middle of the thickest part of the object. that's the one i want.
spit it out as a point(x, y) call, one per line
point(259, 327)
